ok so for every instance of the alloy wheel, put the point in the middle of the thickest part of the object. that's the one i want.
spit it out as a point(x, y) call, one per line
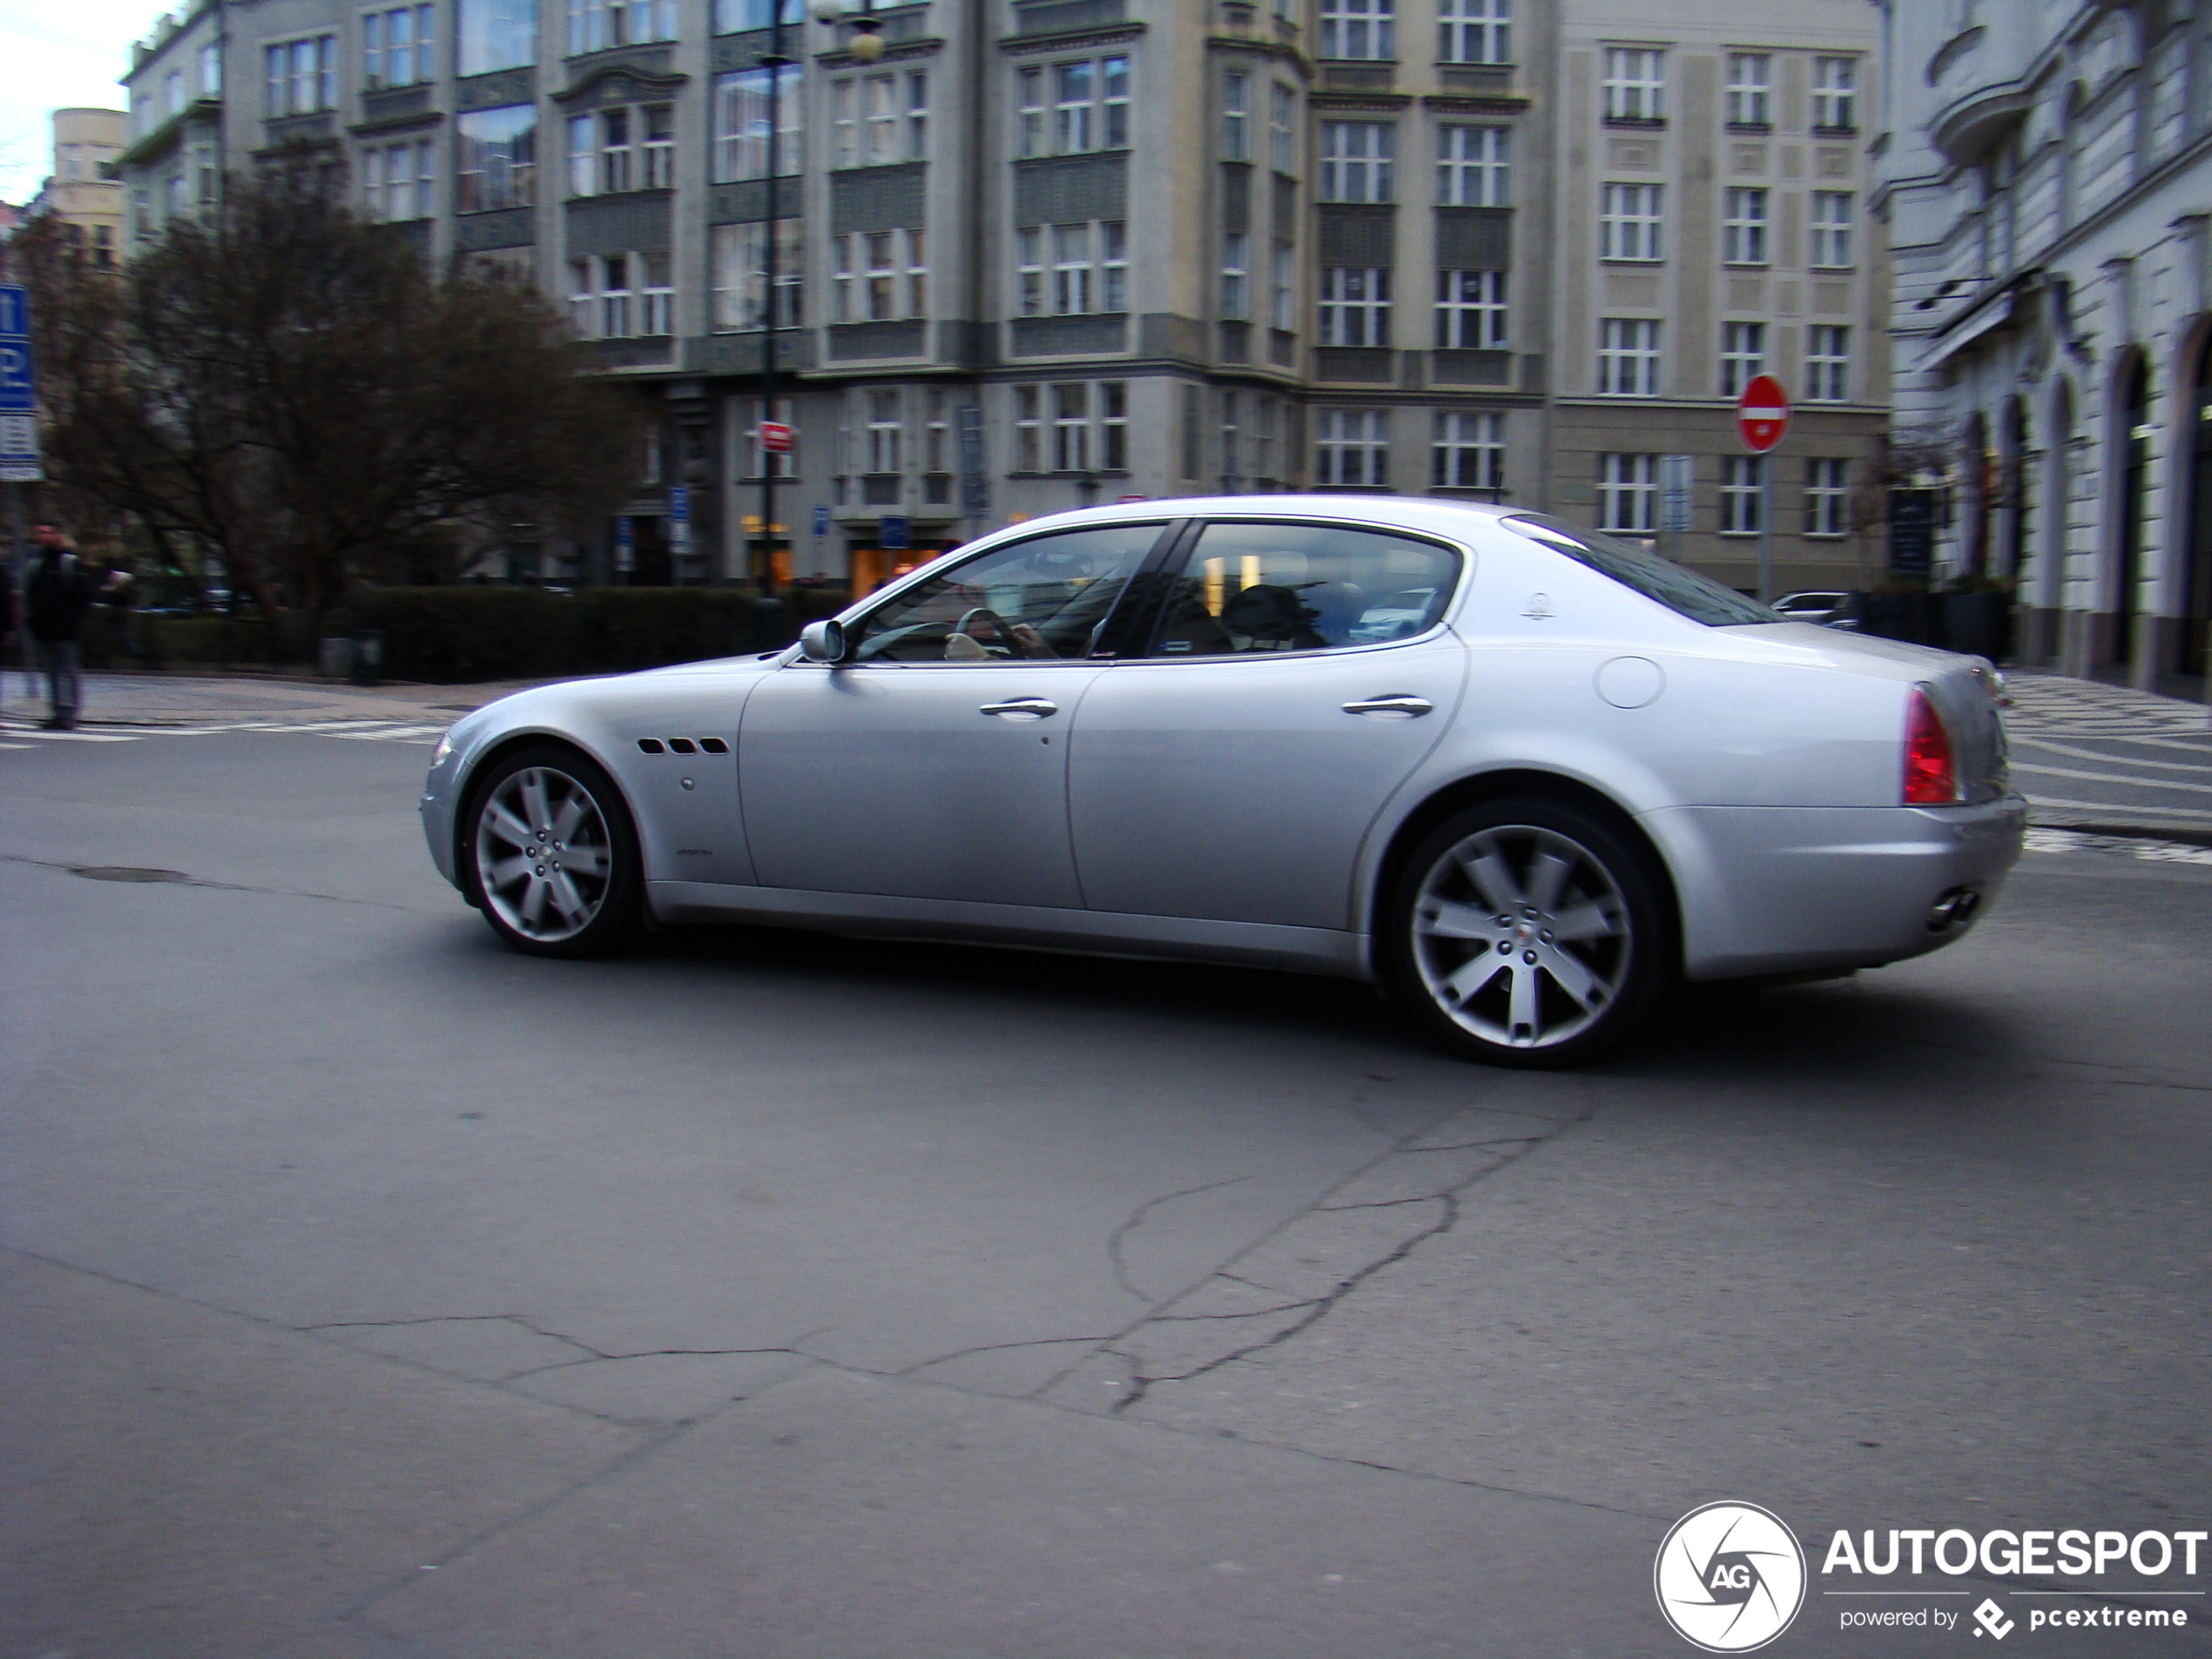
point(543, 855)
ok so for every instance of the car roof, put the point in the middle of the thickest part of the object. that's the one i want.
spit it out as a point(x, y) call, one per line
point(1436, 515)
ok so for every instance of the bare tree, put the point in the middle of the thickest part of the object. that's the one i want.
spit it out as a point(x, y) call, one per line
point(293, 387)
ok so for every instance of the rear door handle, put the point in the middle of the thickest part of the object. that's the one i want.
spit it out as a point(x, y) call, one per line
point(1021, 708)
point(1397, 706)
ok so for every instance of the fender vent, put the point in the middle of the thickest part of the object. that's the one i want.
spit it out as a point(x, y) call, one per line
point(714, 745)
point(682, 746)
point(649, 745)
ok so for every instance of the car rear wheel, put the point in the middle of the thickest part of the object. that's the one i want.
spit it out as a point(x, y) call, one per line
point(551, 856)
point(1530, 932)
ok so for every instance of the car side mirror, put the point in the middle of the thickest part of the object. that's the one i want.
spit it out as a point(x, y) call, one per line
point(823, 642)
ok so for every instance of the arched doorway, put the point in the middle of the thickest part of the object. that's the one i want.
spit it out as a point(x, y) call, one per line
point(2196, 569)
point(2132, 438)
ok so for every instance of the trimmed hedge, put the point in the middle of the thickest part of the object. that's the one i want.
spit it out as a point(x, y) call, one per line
point(465, 634)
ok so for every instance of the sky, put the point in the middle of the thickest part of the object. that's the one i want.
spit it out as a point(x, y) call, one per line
point(54, 54)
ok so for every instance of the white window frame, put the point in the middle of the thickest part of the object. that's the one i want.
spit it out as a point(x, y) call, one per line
point(1359, 161)
point(1113, 425)
point(1237, 275)
point(1829, 226)
point(1750, 89)
point(1358, 30)
point(1745, 225)
point(1627, 357)
point(1743, 494)
point(1627, 493)
point(602, 25)
point(386, 60)
point(516, 180)
point(1352, 448)
point(1236, 116)
point(878, 276)
point(1075, 106)
point(1469, 450)
point(1636, 83)
point(1743, 355)
point(1070, 426)
point(1474, 165)
point(656, 294)
point(1827, 496)
point(1835, 94)
point(1028, 429)
point(1474, 31)
point(1828, 363)
point(1282, 128)
point(301, 76)
point(1471, 311)
point(1630, 226)
point(1353, 306)
point(1282, 288)
point(885, 431)
point(741, 101)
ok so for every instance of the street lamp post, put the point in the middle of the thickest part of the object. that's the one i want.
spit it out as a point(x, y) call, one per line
point(775, 62)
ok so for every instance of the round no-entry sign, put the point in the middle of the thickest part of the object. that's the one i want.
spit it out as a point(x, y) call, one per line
point(1761, 414)
point(776, 437)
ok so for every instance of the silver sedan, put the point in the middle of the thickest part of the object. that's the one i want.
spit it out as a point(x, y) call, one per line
point(1527, 775)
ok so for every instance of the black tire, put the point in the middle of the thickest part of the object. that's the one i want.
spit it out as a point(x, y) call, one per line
point(1502, 970)
point(578, 888)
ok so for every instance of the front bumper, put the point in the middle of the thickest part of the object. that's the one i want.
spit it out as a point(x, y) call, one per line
point(1788, 889)
point(437, 809)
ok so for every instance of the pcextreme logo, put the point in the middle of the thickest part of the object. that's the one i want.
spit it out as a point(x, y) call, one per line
point(1730, 1577)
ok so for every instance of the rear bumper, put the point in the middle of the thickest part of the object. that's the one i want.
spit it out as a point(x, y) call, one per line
point(1787, 889)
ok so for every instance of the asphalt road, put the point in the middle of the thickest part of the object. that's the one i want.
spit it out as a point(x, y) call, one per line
point(372, 1291)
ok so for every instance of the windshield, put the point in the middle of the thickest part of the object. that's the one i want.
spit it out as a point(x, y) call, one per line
point(1676, 586)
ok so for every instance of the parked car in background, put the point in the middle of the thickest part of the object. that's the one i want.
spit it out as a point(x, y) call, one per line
point(1528, 775)
point(1816, 607)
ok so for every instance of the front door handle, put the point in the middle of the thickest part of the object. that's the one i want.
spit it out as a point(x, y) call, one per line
point(1021, 708)
point(1396, 706)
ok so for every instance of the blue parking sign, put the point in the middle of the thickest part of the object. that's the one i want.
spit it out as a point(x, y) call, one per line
point(18, 394)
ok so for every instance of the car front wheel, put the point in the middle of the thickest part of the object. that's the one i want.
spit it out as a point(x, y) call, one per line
point(1529, 933)
point(551, 855)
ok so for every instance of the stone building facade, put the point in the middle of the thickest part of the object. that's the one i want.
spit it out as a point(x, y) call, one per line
point(2046, 176)
point(1045, 252)
point(79, 191)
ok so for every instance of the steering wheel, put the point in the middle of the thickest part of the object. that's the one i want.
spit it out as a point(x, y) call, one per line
point(1004, 629)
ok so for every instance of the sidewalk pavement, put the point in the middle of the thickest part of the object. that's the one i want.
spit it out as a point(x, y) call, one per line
point(2088, 756)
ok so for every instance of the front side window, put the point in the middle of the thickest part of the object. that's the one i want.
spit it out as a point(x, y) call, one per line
point(1635, 85)
point(1835, 94)
point(496, 34)
point(1352, 448)
point(1354, 307)
point(1358, 28)
point(1743, 355)
point(1470, 450)
point(1356, 161)
point(1041, 600)
point(1474, 166)
point(1474, 31)
point(1471, 310)
point(1628, 222)
point(742, 104)
point(1749, 78)
point(1743, 238)
point(1256, 588)
point(1830, 247)
point(496, 161)
point(1676, 586)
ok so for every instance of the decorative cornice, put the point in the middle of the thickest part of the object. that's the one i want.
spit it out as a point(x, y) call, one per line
point(1072, 40)
point(663, 80)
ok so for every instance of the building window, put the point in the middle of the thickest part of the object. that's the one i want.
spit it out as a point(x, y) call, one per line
point(1236, 116)
point(1627, 493)
point(1088, 264)
point(887, 432)
point(1282, 288)
point(1474, 166)
point(619, 150)
point(881, 276)
point(399, 46)
point(1470, 450)
point(1474, 31)
point(1749, 78)
point(594, 25)
point(740, 275)
point(1352, 448)
point(917, 117)
point(1835, 95)
point(1356, 161)
point(1827, 363)
point(1744, 230)
point(1628, 226)
point(1831, 230)
point(1743, 355)
point(397, 182)
point(1627, 357)
point(1071, 427)
point(497, 164)
point(1471, 310)
point(753, 461)
point(302, 76)
point(1827, 497)
point(1071, 108)
point(1359, 29)
point(1282, 128)
point(1354, 305)
point(877, 119)
point(496, 34)
point(1236, 275)
point(211, 66)
point(172, 93)
point(735, 17)
point(741, 104)
point(657, 299)
point(1635, 85)
point(622, 296)
point(1028, 429)
point(1113, 425)
point(1742, 483)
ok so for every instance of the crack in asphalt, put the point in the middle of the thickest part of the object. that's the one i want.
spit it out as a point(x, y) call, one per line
point(1115, 1239)
point(985, 1347)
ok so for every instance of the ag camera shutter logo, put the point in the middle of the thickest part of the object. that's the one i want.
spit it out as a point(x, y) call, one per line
point(1730, 1577)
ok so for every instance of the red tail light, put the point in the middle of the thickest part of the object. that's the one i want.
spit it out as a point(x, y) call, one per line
point(1930, 777)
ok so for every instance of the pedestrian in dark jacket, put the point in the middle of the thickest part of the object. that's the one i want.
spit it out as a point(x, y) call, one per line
point(56, 595)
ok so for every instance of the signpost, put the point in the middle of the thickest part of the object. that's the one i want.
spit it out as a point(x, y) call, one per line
point(679, 521)
point(1761, 416)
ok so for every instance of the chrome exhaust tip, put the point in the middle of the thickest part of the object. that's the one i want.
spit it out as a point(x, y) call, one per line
point(1954, 909)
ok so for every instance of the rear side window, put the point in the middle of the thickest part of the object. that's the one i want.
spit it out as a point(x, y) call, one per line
point(1259, 588)
point(1676, 586)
